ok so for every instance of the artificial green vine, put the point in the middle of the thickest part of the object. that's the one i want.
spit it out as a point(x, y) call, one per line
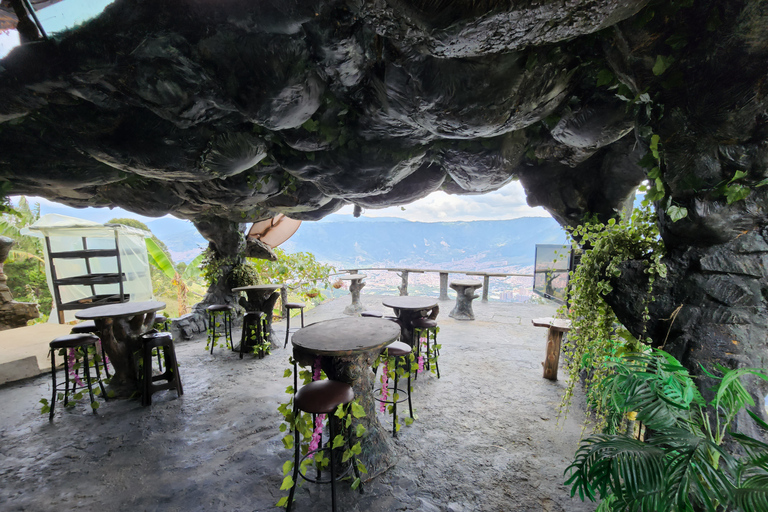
point(76, 360)
point(596, 337)
point(304, 424)
point(392, 368)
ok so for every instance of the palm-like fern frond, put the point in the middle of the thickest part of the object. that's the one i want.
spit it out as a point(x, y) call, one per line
point(616, 465)
point(681, 466)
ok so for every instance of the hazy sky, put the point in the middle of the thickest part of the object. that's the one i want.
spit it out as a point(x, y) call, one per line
point(57, 17)
point(504, 204)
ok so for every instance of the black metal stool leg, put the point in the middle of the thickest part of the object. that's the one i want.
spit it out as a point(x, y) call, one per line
point(104, 359)
point(88, 377)
point(437, 353)
point(333, 468)
point(297, 453)
point(53, 379)
point(287, 327)
point(98, 376)
point(212, 328)
point(410, 403)
point(394, 404)
point(66, 378)
point(228, 326)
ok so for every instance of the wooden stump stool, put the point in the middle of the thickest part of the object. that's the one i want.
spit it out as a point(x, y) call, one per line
point(557, 327)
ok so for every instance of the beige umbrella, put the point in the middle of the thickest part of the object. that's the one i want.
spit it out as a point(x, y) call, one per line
point(274, 231)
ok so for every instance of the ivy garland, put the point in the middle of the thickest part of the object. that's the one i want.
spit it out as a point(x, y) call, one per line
point(596, 337)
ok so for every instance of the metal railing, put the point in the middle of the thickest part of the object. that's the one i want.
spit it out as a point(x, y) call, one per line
point(404, 274)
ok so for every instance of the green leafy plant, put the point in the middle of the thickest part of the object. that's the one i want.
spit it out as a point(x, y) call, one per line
point(162, 261)
point(25, 266)
point(670, 456)
point(241, 273)
point(302, 274)
point(596, 336)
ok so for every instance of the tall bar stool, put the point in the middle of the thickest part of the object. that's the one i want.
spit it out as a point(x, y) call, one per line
point(321, 397)
point(158, 340)
point(398, 353)
point(428, 329)
point(290, 306)
point(73, 341)
point(225, 311)
point(254, 331)
point(89, 326)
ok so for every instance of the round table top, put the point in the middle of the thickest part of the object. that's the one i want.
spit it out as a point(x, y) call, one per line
point(118, 310)
point(346, 336)
point(257, 287)
point(466, 283)
point(352, 277)
point(409, 302)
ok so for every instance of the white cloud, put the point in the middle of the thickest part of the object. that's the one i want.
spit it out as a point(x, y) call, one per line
point(94, 214)
point(504, 204)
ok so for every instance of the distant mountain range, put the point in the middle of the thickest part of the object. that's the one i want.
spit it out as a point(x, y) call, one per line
point(390, 242)
point(346, 241)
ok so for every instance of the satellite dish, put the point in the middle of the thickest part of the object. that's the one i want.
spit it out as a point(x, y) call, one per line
point(273, 232)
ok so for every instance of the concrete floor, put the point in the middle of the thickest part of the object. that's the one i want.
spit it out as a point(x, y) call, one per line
point(487, 437)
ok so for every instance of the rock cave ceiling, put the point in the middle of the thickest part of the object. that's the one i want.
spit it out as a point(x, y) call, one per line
point(240, 110)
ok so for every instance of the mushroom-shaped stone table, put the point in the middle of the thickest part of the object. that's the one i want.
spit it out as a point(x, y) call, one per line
point(357, 284)
point(347, 347)
point(407, 308)
point(465, 294)
point(120, 327)
point(260, 298)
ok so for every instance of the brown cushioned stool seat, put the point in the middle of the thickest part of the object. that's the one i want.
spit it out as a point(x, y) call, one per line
point(77, 340)
point(84, 327)
point(321, 397)
point(289, 306)
point(157, 340)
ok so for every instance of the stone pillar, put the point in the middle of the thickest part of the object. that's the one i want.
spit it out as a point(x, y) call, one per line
point(486, 285)
point(443, 285)
point(404, 282)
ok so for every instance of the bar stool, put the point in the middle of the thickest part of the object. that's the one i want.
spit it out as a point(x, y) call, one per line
point(89, 326)
point(225, 310)
point(289, 306)
point(254, 330)
point(74, 341)
point(398, 353)
point(157, 340)
point(427, 328)
point(321, 397)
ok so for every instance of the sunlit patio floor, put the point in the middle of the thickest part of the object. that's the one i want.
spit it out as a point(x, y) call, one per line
point(487, 437)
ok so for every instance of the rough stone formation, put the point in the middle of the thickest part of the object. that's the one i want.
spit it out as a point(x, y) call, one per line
point(12, 314)
point(230, 112)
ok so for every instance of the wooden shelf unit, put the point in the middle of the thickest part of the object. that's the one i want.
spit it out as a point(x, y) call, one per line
point(89, 279)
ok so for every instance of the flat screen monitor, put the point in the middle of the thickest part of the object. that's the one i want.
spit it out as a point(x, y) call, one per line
point(550, 273)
